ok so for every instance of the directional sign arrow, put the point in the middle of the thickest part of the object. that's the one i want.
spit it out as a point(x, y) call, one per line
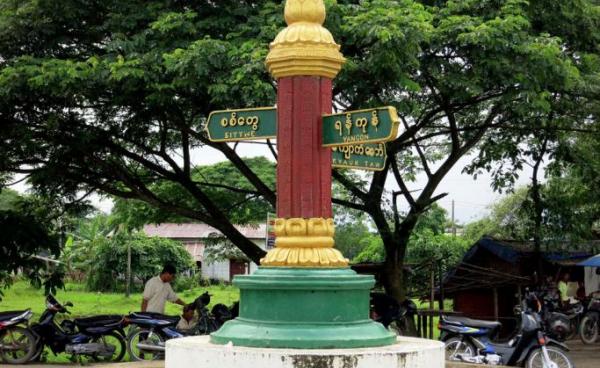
point(242, 124)
point(369, 156)
point(362, 126)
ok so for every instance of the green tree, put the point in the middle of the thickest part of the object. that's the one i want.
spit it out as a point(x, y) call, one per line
point(572, 192)
point(507, 219)
point(78, 252)
point(113, 96)
point(28, 230)
point(148, 256)
point(9, 199)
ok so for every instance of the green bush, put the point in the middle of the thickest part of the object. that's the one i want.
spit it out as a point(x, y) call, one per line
point(185, 283)
point(148, 256)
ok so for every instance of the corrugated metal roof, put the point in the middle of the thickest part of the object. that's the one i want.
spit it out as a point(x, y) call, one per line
point(199, 231)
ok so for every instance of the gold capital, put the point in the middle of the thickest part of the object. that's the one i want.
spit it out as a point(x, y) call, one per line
point(304, 47)
point(303, 242)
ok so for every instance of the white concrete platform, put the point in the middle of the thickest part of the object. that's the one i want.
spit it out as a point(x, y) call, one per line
point(198, 352)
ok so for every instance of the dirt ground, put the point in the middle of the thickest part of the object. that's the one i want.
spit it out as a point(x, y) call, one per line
point(584, 356)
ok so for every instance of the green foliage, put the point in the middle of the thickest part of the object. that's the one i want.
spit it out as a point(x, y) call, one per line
point(148, 256)
point(27, 231)
point(572, 192)
point(438, 253)
point(9, 199)
point(371, 250)
point(428, 242)
point(113, 96)
point(79, 249)
point(508, 219)
point(350, 238)
point(434, 220)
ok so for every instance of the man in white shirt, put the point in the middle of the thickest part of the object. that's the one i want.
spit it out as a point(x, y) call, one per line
point(158, 290)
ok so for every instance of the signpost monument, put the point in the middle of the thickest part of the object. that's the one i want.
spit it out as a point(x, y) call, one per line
point(304, 296)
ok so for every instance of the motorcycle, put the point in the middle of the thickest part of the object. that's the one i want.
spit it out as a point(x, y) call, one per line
point(590, 323)
point(100, 338)
point(17, 342)
point(560, 324)
point(392, 315)
point(149, 331)
point(472, 341)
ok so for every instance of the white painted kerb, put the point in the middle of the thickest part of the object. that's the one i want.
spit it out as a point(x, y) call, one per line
point(198, 352)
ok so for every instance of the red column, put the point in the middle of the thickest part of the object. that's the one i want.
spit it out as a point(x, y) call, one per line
point(304, 166)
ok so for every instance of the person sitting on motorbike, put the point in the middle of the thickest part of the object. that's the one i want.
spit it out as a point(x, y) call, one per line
point(188, 319)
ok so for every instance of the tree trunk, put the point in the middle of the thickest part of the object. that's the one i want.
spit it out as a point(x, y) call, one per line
point(538, 208)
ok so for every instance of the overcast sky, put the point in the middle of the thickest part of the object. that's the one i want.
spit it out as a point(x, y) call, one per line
point(471, 197)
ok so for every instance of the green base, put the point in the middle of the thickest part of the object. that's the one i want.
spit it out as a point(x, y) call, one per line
point(304, 309)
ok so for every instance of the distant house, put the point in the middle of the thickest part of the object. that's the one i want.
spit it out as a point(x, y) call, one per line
point(194, 237)
point(493, 273)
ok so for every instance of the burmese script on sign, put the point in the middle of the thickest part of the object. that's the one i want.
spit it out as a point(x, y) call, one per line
point(362, 126)
point(367, 156)
point(243, 124)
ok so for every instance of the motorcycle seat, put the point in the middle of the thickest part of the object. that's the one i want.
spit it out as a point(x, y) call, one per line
point(98, 321)
point(472, 322)
point(153, 315)
point(5, 316)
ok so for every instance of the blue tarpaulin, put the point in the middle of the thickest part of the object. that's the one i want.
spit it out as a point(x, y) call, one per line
point(591, 262)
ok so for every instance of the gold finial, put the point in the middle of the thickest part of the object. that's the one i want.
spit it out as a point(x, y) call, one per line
point(304, 47)
point(311, 11)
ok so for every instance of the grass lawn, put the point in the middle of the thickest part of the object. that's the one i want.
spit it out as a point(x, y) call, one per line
point(22, 296)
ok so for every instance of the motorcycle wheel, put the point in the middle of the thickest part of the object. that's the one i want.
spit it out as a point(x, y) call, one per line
point(142, 335)
point(115, 340)
point(457, 346)
point(572, 330)
point(556, 355)
point(22, 345)
point(588, 330)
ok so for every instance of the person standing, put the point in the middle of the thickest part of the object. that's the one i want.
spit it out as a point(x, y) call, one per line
point(563, 289)
point(158, 290)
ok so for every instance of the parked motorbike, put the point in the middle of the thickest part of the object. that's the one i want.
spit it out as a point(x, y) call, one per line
point(560, 323)
point(590, 323)
point(223, 313)
point(472, 341)
point(17, 342)
point(392, 315)
point(146, 339)
point(100, 338)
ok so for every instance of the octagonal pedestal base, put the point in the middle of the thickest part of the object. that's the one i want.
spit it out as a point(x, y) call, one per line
point(304, 309)
point(407, 352)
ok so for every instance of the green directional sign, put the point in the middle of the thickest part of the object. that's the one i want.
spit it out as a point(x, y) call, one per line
point(362, 126)
point(242, 124)
point(368, 156)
